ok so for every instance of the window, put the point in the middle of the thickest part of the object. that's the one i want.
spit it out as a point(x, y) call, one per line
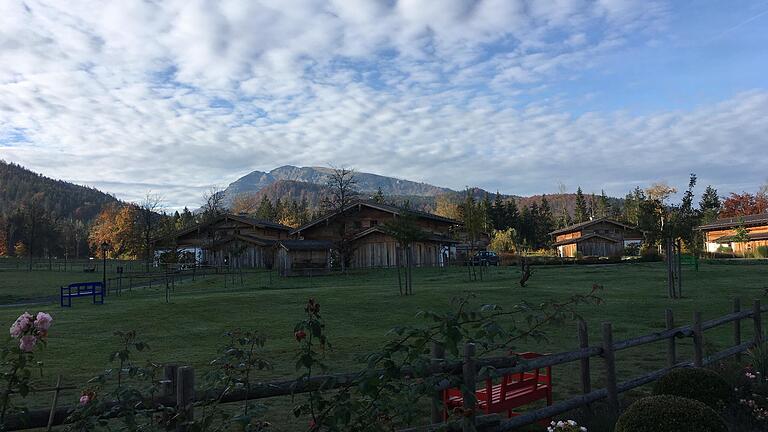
point(357, 224)
point(374, 222)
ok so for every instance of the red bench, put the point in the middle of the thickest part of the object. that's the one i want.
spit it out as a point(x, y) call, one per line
point(511, 391)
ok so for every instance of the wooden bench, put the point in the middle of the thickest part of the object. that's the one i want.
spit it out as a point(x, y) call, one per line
point(82, 289)
point(510, 392)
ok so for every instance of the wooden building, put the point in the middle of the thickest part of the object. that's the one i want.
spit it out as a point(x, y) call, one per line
point(303, 257)
point(599, 237)
point(723, 233)
point(229, 240)
point(359, 228)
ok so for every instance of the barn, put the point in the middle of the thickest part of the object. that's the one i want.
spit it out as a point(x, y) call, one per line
point(229, 240)
point(359, 228)
point(602, 237)
point(722, 234)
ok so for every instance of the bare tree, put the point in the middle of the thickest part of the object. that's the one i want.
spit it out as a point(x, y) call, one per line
point(342, 191)
point(213, 203)
point(148, 224)
point(245, 203)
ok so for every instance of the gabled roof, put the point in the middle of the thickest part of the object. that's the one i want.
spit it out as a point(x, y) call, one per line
point(258, 223)
point(582, 225)
point(378, 206)
point(306, 244)
point(583, 238)
point(750, 220)
point(731, 238)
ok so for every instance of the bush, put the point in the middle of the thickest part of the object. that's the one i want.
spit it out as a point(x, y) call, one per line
point(762, 252)
point(650, 255)
point(725, 249)
point(700, 384)
point(666, 413)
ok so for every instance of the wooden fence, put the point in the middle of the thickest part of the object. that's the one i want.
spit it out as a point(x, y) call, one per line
point(178, 383)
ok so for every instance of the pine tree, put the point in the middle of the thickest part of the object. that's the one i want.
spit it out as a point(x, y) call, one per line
point(603, 206)
point(266, 210)
point(512, 215)
point(497, 213)
point(709, 205)
point(379, 196)
point(582, 214)
point(546, 223)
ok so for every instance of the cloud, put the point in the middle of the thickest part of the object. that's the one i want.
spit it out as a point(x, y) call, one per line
point(176, 96)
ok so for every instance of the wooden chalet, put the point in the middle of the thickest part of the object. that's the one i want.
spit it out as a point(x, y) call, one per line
point(359, 227)
point(599, 237)
point(229, 240)
point(723, 233)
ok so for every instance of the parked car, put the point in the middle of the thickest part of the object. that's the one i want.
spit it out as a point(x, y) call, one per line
point(486, 258)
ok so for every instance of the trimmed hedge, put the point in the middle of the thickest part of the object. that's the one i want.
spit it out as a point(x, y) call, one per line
point(699, 384)
point(666, 413)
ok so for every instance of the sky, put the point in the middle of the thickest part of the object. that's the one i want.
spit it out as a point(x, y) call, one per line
point(174, 97)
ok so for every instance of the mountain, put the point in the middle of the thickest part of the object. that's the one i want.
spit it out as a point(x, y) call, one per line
point(366, 182)
point(59, 199)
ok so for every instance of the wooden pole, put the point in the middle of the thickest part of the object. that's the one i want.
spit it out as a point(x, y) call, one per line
point(698, 341)
point(758, 322)
point(470, 384)
point(679, 269)
point(610, 371)
point(438, 354)
point(185, 397)
point(54, 403)
point(586, 383)
point(737, 326)
point(671, 348)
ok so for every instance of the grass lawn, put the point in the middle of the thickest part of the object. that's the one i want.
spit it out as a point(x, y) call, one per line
point(361, 307)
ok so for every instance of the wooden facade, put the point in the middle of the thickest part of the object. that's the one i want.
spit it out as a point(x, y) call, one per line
point(359, 229)
point(723, 233)
point(229, 240)
point(303, 257)
point(600, 237)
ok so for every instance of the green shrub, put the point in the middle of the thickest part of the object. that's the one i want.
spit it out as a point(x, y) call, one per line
point(700, 384)
point(650, 255)
point(725, 249)
point(666, 413)
point(762, 251)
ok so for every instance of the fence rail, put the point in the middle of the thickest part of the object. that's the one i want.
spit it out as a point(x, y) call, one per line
point(179, 391)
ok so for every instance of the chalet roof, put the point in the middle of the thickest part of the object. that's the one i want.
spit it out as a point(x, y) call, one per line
point(583, 238)
point(731, 238)
point(750, 220)
point(378, 206)
point(430, 236)
point(258, 223)
point(581, 225)
point(306, 244)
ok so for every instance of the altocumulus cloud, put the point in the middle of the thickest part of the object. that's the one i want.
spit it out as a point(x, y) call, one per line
point(175, 96)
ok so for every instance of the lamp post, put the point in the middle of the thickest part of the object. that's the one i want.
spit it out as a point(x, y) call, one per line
point(104, 249)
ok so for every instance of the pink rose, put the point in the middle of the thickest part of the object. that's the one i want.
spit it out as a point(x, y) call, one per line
point(85, 399)
point(21, 325)
point(43, 321)
point(27, 343)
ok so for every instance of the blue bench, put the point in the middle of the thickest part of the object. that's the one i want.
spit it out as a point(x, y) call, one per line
point(82, 289)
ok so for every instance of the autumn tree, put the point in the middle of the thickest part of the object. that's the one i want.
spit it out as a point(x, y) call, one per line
point(744, 204)
point(447, 208)
point(116, 225)
point(378, 197)
point(245, 203)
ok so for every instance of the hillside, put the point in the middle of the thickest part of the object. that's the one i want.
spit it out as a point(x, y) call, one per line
point(366, 182)
point(59, 199)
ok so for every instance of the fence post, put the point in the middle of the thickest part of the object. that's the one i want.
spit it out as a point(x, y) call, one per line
point(610, 371)
point(698, 341)
point(737, 326)
point(671, 348)
point(470, 385)
point(438, 355)
point(54, 404)
point(758, 322)
point(185, 396)
point(586, 383)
